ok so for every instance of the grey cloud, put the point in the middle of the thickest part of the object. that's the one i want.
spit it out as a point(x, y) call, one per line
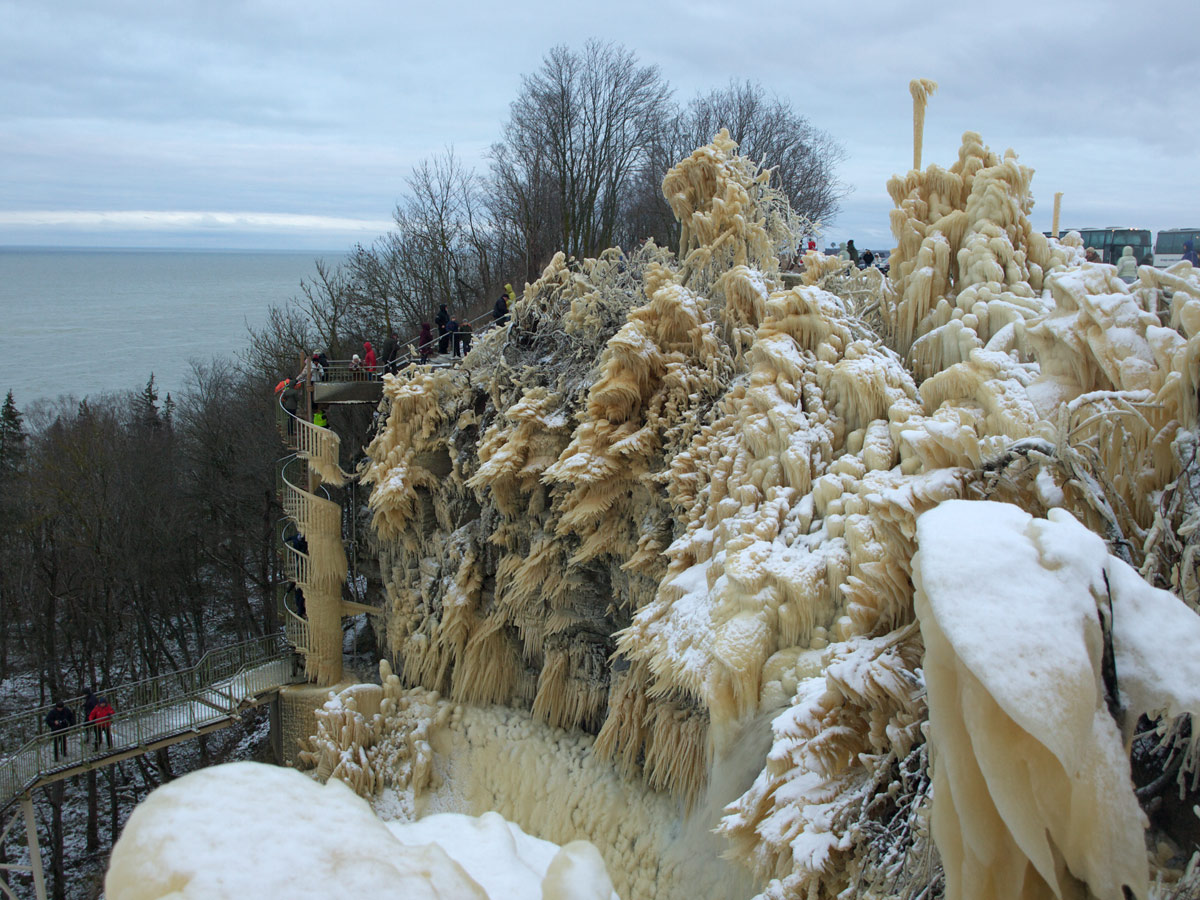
point(314, 108)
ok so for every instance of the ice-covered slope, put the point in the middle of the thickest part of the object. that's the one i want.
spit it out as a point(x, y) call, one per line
point(674, 500)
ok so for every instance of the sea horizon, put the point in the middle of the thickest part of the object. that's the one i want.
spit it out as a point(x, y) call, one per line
point(88, 248)
point(83, 320)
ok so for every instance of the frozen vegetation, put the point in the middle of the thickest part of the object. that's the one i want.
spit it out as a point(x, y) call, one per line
point(856, 586)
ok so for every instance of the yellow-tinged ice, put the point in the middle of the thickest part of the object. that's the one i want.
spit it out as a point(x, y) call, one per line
point(672, 497)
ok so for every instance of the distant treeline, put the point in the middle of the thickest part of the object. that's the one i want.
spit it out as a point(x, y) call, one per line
point(578, 167)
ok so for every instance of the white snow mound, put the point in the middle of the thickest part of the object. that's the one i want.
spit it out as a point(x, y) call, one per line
point(1032, 791)
point(248, 830)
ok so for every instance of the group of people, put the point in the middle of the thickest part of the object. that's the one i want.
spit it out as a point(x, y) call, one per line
point(369, 367)
point(847, 252)
point(97, 712)
point(454, 337)
point(850, 252)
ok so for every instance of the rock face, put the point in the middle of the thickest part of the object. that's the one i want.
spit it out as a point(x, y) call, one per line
point(672, 498)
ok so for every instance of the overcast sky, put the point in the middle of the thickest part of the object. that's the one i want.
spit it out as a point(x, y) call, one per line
point(293, 124)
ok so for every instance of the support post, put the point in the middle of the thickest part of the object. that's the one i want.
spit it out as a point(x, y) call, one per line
point(35, 853)
point(276, 730)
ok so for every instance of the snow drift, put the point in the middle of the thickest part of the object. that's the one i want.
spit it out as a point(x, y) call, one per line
point(249, 830)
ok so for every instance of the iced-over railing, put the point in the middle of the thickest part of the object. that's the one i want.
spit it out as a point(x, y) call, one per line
point(320, 446)
point(296, 628)
point(148, 712)
point(310, 512)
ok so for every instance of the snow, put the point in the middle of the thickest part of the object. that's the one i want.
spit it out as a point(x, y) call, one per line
point(1029, 765)
point(506, 861)
point(252, 830)
point(999, 621)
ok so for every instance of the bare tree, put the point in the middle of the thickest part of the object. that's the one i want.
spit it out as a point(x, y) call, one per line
point(767, 129)
point(328, 302)
point(445, 240)
point(578, 132)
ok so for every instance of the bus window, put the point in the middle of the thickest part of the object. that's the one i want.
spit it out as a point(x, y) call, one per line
point(1138, 239)
point(1168, 247)
point(1110, 242)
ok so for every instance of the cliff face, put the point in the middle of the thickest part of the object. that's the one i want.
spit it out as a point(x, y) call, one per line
point(673, 496)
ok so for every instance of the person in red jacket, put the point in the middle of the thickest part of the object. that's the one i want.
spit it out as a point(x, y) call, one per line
point(101, 720)
point(369, 359)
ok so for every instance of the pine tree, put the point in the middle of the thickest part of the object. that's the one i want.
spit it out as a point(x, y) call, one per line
point(168, 413)
point(12, 438)
point(145, 406)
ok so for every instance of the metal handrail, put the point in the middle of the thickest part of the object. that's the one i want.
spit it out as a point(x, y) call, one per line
point(321, 447)
point(284, 463)
point(296, 565)
point(339, 370)
point(215, 689)
point(296, 629)
point(307, 510)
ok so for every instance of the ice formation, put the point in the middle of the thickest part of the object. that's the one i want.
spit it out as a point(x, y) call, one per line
point(249, 830)
point(1032, 793)
point(673, 505)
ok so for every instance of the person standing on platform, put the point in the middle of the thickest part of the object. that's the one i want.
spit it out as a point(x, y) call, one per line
point(464, 337)
point(391, 349)
point(100, 719)
point(60, 719)
point(442, 320)
point(89, 702)
point(369, 362)
point(500, 310)
point(425, 342)
point(452, 333)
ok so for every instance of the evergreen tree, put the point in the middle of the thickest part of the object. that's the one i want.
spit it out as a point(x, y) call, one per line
point(145, 406)
point(12, 438)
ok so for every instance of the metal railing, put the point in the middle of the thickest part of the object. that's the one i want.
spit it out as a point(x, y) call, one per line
point(319, 446)
point(296, 565)
point(147, 712)
point(342, 370)
point(310, 512)
point(296, 629)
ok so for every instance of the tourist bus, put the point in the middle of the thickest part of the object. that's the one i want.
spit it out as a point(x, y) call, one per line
point(1109, 242)
point(1168, 246)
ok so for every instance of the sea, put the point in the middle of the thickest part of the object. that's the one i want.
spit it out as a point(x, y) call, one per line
point(83, 322)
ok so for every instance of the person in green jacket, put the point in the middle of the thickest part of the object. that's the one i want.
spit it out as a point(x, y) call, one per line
point(319, 418)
